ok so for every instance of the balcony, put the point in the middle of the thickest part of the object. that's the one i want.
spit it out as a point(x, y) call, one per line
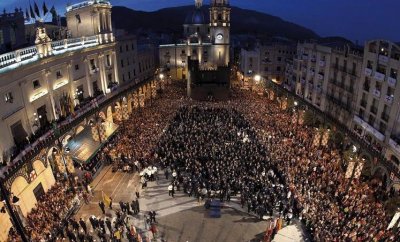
point(12, 60)
point(394, 145)
point(320, 76)
point(391, 81)
point(383, 59)
point(376, 93)
point(369, 128)
point(321, 63)
point(368, 71)
point(379, 76)
point(389, 99)
point(311, 73)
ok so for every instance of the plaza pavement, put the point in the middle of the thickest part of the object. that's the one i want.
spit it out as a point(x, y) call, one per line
point(180, 218)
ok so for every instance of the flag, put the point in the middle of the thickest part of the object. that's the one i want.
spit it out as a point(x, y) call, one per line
point(45, 10)
point(31, 12)
point(27, 16)
point(36, 8)
point(106, 199)
point(53, 12)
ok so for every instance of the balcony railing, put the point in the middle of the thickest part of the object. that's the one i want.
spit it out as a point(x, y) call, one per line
point(379, 76)
point(14, 59)
point(368, 71)
point(383, 59)
point(376, 93)
point(391, 81)
point(389, 99)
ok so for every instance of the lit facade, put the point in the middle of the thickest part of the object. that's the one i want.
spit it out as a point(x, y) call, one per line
point(377, 111)
point(50, 80)
point(205, 41)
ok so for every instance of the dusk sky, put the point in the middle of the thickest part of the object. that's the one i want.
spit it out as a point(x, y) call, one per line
point(354, 19)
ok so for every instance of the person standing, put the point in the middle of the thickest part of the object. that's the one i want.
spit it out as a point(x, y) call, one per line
point(102, 206)
point(83, 225)
point(137, 206)
point(111, 201)
point(170, 190)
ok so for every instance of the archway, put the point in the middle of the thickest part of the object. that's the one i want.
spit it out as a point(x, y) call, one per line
point(38, 166)
point(27, 200)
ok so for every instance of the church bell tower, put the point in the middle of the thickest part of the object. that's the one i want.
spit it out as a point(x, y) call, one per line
point(220, 21)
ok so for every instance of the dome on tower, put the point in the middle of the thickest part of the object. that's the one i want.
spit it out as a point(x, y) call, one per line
point(197, 16)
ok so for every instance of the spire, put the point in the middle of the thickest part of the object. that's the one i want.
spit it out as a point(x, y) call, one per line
point(198, 3)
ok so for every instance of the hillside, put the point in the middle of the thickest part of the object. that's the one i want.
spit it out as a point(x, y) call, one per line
point(170, 20)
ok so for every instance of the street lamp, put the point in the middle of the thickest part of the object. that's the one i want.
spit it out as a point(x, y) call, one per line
point(257, 79)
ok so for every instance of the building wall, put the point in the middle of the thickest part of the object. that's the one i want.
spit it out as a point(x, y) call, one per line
point(273, 58)
point(127, 59)
point(377, 110)
point(90, 19)
point(345, 71)
point(53, 77)
point(312, 73)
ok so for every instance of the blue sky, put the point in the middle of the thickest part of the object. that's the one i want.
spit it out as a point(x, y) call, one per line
point(354, 19)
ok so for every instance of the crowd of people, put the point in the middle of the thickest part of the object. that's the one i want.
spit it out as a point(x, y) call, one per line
point(334, 208)
point(247, 147)
point(51, 208)
point(215, 154)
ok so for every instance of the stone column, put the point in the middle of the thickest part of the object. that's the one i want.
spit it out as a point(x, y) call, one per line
point(87, 76)
point(102, 73)
point(115, 66)
point(50, 92)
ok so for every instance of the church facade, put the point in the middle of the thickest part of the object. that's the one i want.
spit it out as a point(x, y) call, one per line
point(206, 40)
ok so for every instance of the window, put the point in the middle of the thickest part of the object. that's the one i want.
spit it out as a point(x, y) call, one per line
point(278, 68)
point(127, 60)
point(279, 58)
point(110, 79)
point(92, 64)
point(36, 84)
point(120, 49)
point(183, 51)
point(129, 75)
point(8, 97)
point(122, 63)
point(127, 48)
point(134, 72)
point(76, 67)
point(133, 47)
point(58, 74)
point(108, 58)
point(219, 17)
point(123, 77)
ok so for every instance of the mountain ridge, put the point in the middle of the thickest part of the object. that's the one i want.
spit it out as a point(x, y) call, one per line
point(243, 21)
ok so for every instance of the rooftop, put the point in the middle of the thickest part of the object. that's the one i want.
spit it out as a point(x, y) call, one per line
point(86, 3)
point(11, 60)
